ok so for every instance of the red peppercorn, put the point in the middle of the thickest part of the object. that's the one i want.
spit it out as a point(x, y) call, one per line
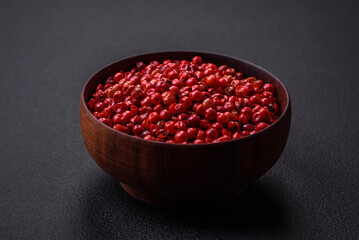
point(107, 112)
point(248, 87)
point(197, 60)
point(99, 106)
point(129, 126)
point(119, 107)
point(222, 139)
point(172, 108)
point(109, 102)
point(170, 127)
point(162, 133)
point(209, 71)
point(222, 118)
point(207, 103)
point(153, 130)
point(253, 132)
point(165, 114)
point(149, 137)
point(177, 83)
point(136, 120)
point(273, 108)
point(198, 141)
point(192, 133)
point(201, 135)
point(137, 129)
point(146, 110)
point(121, 128)
point(232, 99)
point(265, 112)
point(210, 113)
point(182, 117)
point(244, 133)
point(127, 89)
point(193, 120)
point(242, 118)
point(199, 74)
point(158, 108)
point(248, 127)
point(267, 94)
point(183, 76)
point(200, 109)
point(118, 76)
point(156, 98)
point(246, 111)
point(154, 117)
point(118, 96)
point(191, 81)
point(196, 95)
point(92, 103)
point(178, 108)
point(134, 110)
point(264, 102)
point(233, 115)
point(212, 133)
point(261, 125)
point(233, 126)
point(258, 117)
point(236, 135)
point(268, 87)
point(240, 91)
point(168, 98)
point(162, 86)
point(229, 107)
point(116, 118)
point(245, 102)
point(255, 99)
point(226, 132)
point(125, 117)
point(208, 140)
point(220, 109)
point(181, 137)
point(145, 133)
point(204, 124)
point(140, 66)
point(174, 90)
point(172, 74)
point(186, 101)
point(180, 126)
point(212, 81)
point(97, 115)
point(146, 102)
point(106, 121)
point(218, 126)
point(146, 124)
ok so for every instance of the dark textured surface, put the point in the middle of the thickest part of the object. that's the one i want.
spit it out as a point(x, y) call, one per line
point(51, 188)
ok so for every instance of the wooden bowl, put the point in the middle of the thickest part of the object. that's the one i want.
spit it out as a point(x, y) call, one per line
point(175, 174)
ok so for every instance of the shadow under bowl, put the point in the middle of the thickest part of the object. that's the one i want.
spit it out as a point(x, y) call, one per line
point(167, 174)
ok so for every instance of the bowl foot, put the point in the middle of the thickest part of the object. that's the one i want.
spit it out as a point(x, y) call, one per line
point(207, 201)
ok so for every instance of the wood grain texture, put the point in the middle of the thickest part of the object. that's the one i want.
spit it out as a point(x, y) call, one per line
point(174, 174)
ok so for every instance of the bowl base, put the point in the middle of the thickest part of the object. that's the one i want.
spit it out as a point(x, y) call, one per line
point(206, 202)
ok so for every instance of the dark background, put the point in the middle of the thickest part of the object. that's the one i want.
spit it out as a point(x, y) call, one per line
point(52, 189)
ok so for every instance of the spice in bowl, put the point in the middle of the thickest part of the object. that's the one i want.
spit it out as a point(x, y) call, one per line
point(185, 102)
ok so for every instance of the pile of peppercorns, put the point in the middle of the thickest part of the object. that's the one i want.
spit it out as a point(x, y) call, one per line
point(185, 102)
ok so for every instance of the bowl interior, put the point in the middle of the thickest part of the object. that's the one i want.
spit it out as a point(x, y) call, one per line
point(248, 69)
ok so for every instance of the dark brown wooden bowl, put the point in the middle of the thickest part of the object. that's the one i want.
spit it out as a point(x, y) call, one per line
point(176, 174)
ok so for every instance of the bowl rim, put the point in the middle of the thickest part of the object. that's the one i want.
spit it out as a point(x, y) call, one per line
point(140, 140)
